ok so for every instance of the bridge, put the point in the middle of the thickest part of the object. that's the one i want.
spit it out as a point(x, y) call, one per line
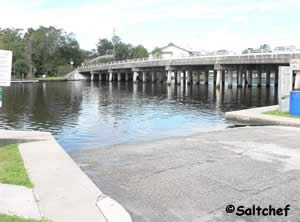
point(192, 70)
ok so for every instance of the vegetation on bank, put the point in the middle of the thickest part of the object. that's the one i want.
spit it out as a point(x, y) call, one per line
point(12, 170)
point(51, 78)
point(281, 114)
point(53, 52)
point(6, 218)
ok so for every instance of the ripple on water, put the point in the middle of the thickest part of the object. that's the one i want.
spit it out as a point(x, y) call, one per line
point(84, 114)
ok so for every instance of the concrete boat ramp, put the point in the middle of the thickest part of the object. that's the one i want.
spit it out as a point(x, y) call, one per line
point(195, 178)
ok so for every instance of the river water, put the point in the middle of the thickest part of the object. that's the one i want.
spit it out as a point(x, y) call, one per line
point(92, 114)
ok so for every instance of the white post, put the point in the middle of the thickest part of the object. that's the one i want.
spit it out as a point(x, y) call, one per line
point(126, 76)
point(285, 87)
point(92, 77)
point(119, 77)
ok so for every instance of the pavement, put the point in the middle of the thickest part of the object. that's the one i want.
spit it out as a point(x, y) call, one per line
point(18, 200)
point(195, 178)
point(62, 191)
point(257, 116)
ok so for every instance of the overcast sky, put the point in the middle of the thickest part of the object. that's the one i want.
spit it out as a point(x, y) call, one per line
point(194, 24)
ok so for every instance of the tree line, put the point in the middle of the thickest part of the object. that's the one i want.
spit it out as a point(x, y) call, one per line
point(53, 52)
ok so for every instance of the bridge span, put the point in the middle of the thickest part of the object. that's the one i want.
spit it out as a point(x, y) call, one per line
point(192, 70)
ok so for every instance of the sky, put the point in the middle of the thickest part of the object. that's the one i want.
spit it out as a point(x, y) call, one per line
point(193, 24)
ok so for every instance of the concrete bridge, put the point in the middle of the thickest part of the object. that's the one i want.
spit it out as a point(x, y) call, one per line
point(192, 70)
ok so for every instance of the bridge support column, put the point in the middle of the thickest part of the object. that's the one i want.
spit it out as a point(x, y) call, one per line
point(144, 73)
point(101, 77)
point(135, 76)
point(215, 77)
point(92, 76)
point(229, 78)
point(182, 78)
point(245, 77)
point(126, 76)
point(258, 78)
point(169, 78)
point(250, 77)
point(219, 78)
point(194, 77)
point(223, 77)
point(268, 79)
point(206, 77)
point(178, 77)
point(173, 77)
point(110, 76)
point(119, 77)
point(276, 76)
point(239, 79)
point(188, 77)
point(159, 77)
point(153, 77)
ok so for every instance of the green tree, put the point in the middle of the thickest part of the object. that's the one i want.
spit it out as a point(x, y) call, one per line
point(139, 52)
point(156, 53)
point(105, 47)
point(12, 39)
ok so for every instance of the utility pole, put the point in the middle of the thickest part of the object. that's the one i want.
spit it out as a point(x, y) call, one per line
point(114, 45)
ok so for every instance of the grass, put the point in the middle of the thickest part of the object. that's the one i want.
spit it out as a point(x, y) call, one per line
point(282, 114)
point(53, 78)
point(12, 170)
point(6, 218)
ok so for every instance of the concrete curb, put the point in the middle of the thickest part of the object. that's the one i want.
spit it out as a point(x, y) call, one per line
point(63, 191)
point(19, 201)
point(255, 116)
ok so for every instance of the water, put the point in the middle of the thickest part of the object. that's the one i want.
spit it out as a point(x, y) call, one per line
point(87, 115)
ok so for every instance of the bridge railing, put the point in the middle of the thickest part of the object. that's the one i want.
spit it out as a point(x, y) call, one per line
point(273, 55)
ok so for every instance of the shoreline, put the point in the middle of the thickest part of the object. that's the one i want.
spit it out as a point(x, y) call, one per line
point(53, 171)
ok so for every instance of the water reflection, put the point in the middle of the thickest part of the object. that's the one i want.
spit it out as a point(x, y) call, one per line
point(89, 114)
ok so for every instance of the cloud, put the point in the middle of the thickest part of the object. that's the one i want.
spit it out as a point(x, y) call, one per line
point(198, 24)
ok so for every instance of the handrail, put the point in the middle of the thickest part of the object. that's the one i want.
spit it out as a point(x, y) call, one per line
point(217, 57)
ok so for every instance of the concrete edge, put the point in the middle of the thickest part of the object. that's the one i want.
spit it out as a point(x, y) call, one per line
point(111, 210)
point(256, 116)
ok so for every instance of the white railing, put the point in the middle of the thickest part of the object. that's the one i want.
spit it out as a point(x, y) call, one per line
point(250, 55)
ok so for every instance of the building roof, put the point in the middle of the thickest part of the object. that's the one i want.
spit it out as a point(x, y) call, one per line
point(176, 46)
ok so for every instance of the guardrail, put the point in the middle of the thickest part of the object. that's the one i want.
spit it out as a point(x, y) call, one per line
point(276, 55)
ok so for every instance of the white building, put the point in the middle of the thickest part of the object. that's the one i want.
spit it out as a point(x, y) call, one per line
point(285, 49)
point(171, 51)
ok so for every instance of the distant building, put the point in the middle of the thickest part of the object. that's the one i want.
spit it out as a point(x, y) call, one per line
point(285, 49)
point(171, 51)
point(265, 48)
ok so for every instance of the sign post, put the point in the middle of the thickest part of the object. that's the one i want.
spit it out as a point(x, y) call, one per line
point(5, 70)
point(285, 87)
